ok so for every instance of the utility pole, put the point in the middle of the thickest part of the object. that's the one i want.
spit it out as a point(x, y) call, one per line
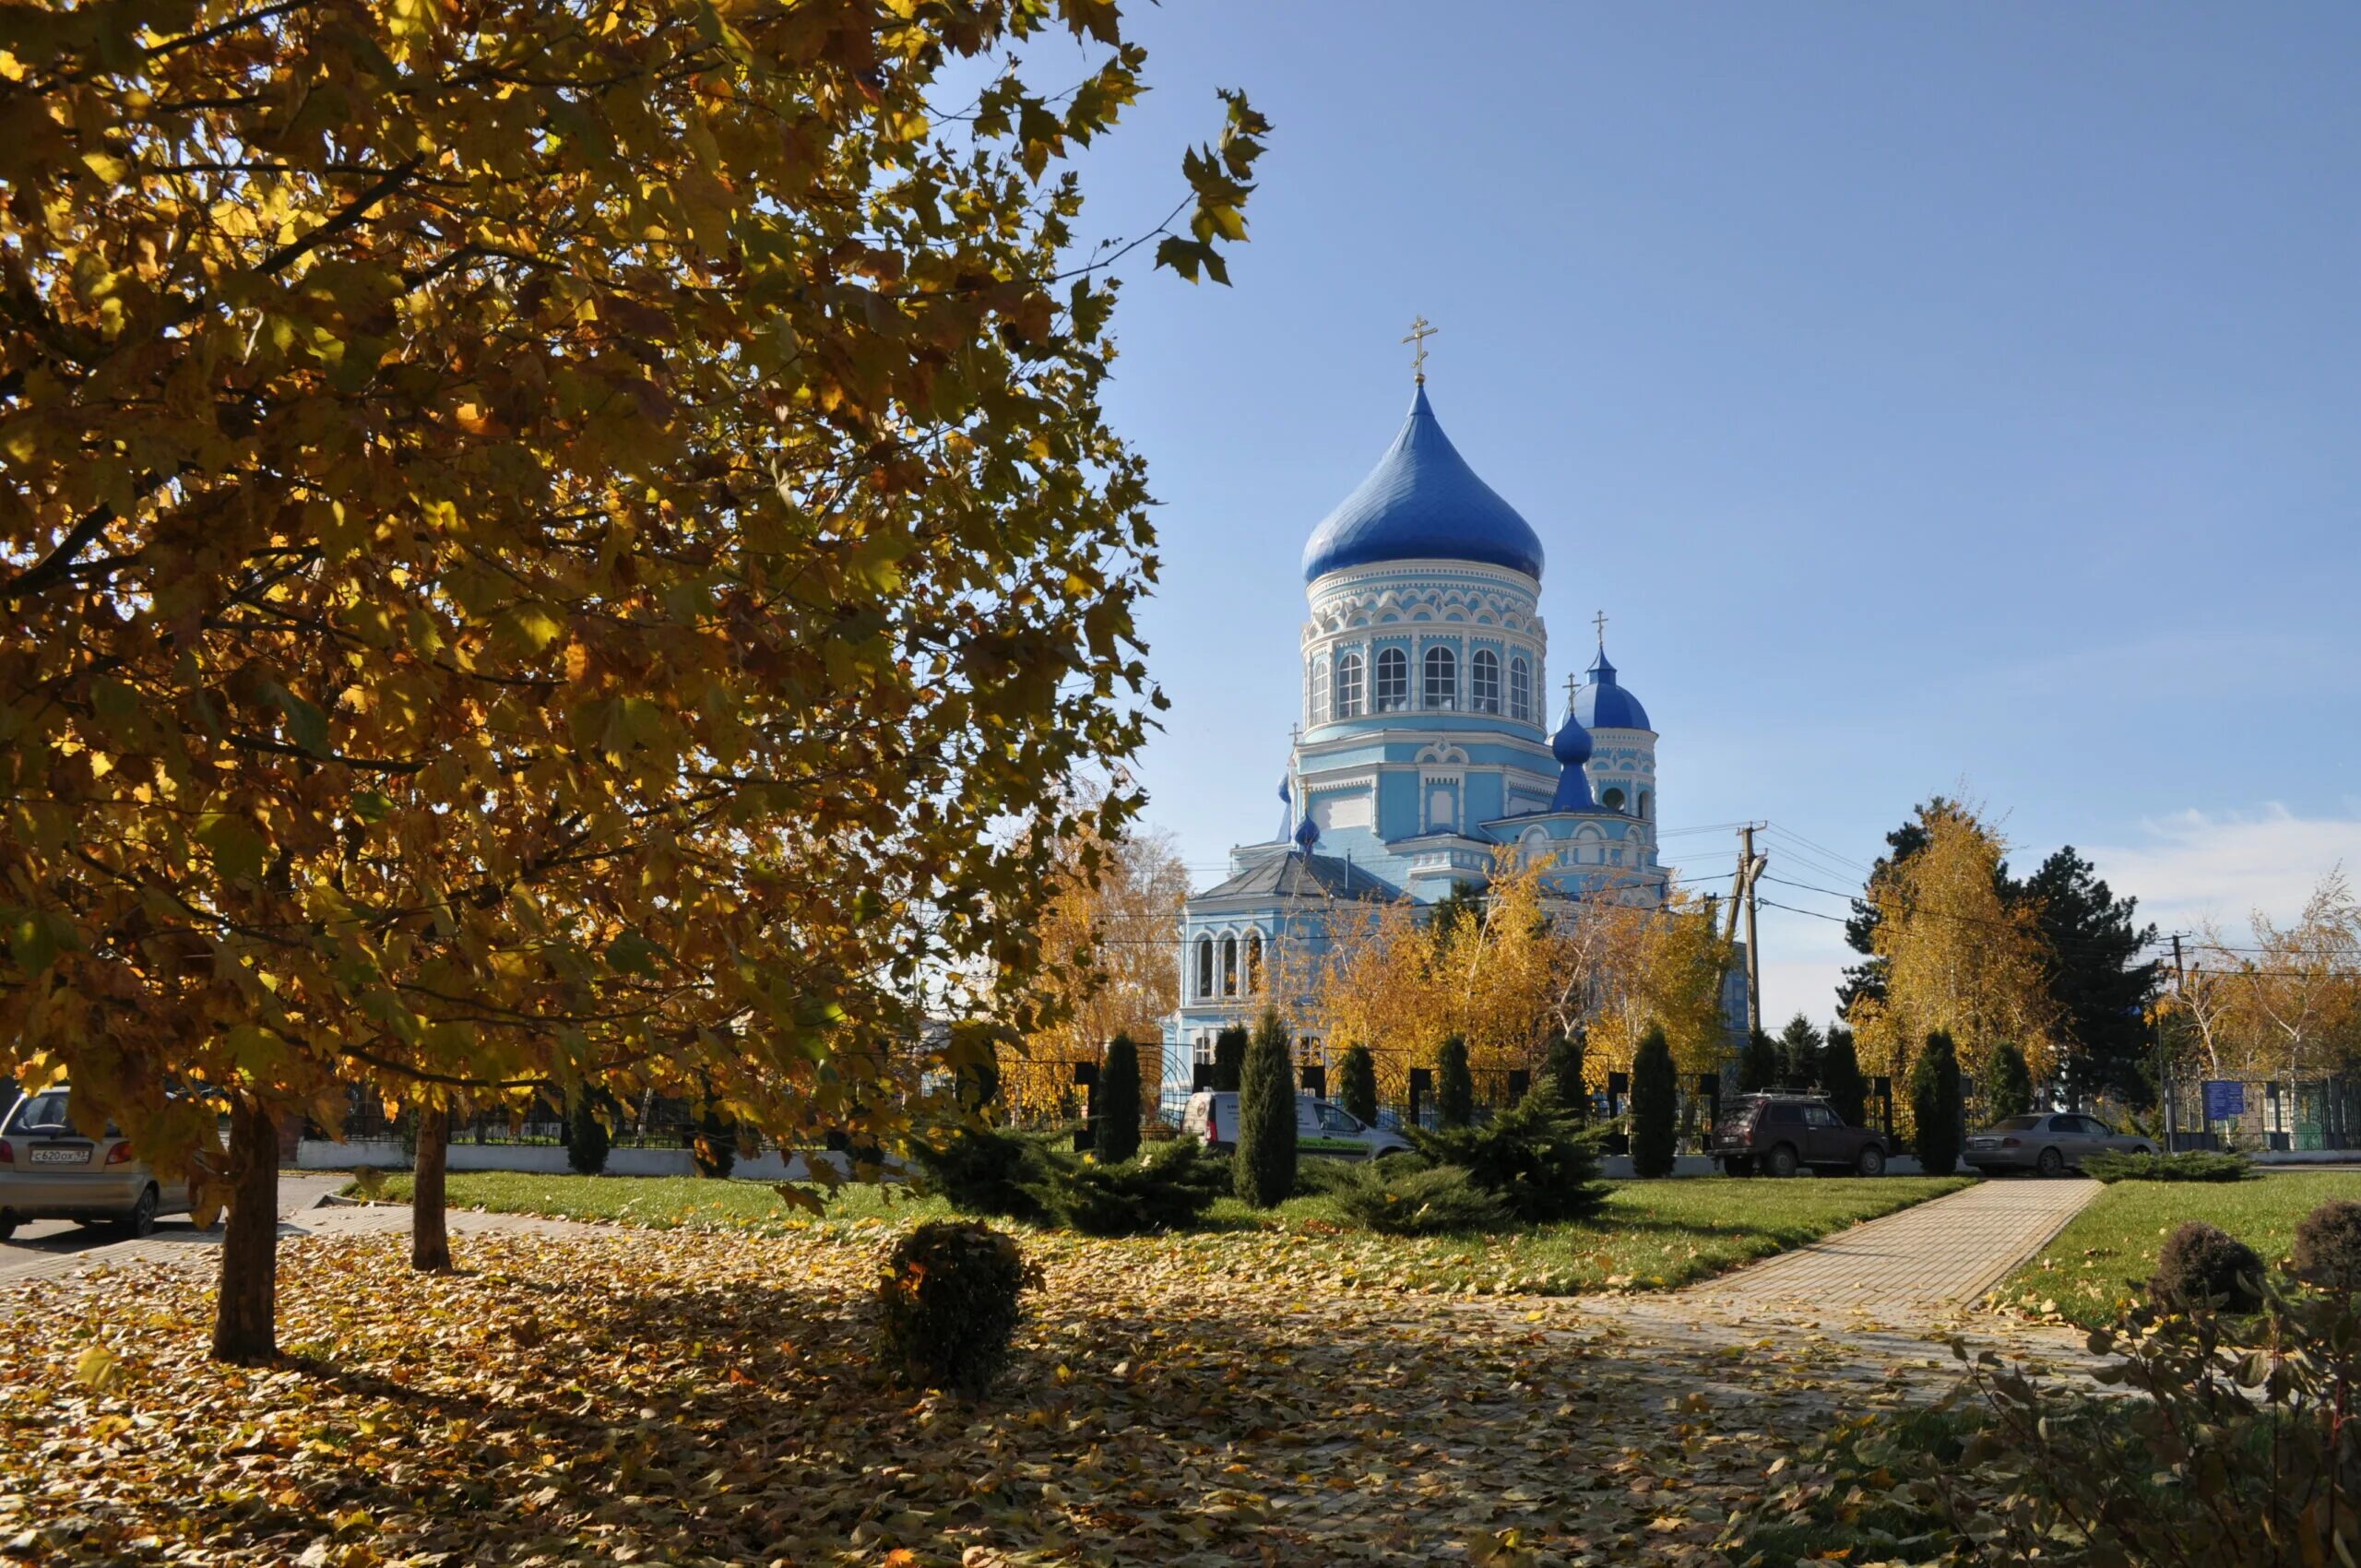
point(1750, 868)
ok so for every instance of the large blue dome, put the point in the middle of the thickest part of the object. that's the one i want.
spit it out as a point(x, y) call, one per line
point(1603, 704)
point(1422, 503)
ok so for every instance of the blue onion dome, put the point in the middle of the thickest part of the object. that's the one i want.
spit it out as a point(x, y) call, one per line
point(1571, 746)
point(1307, 834)
point(1603, 704)
point(1422, 502)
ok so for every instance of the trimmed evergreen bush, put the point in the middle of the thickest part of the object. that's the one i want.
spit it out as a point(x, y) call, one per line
point(1168, 1188)
point(1357, 1085)
point(1757, 1064)
point(586, 1141)
point(1534, 1157)
point(714, 1150)
point(1935, 1105)
point(1799, 1049)
point(989, 1170)
point(1264, 1169)
point(1229, 1059)
point(1841, 1080)
point(2007, 1084)
point(1454, 1084)
point(1561, 1073)
point(950, 1298)
point(1393, 1200)
point(1115, 1135)
point(2204, 1265)
point(2327, 1246)
point(2190, 1165)
point(1654, 1105)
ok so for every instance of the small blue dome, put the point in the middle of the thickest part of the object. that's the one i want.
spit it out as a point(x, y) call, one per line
point(1603, 704)
point(1571, 746)
point(1422, 502)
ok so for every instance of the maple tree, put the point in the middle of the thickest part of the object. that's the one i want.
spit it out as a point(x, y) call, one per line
point(540, 540)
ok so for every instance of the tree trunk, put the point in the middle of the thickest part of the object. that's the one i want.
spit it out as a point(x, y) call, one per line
point(430, 1237)
point(245, 1315)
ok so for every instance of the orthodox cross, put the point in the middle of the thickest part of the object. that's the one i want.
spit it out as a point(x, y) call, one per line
point(1419, 333)
point(1599, 621)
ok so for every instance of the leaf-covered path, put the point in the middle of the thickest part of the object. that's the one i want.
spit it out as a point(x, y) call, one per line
point(598, 1393)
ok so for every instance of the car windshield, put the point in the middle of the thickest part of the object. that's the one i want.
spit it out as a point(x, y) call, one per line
point(44, 1112)
point(2017, 1124)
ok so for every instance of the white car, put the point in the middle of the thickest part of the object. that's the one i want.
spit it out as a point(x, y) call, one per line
point(1321, 1127)
point(48, 1171)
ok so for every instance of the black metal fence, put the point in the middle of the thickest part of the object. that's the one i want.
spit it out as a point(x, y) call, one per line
point(651, 1121)
point(2290, 1115)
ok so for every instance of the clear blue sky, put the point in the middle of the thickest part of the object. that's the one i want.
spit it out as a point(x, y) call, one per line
point(1936, 398)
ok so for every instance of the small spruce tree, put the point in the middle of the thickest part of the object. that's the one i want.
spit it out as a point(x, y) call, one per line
point(1841, 1080)
point(586, 1141)
point(1263, 1168)
point(1654, 1096)
point(1562, 1072)
point(1115, 1137)
point(1935, 1105)
point(1229, 1059)
point(1757, 1065)
point(1454, 1084)
point(2006, 1083)
point(1357, 1084)
point(1799, 1049)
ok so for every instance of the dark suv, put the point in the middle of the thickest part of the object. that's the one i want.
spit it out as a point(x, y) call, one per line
point(1777, 1133)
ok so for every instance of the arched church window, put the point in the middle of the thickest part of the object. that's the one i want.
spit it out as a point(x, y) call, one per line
point(1348, 687)
point(1443, 678)
point(1320, 690)
point(1644, 806)
point(1229, 965)
point(1612, 799)
point(1254, 963)
point(1204, 966)
point(1484, 681)
point(1520, 689)
point(1392, 679)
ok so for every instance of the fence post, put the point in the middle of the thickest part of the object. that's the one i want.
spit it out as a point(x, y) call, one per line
point(1422, 1083)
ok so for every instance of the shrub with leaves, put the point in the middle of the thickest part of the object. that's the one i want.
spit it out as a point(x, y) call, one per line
point(1263, 1171)
point(950, 1298)
point(1168, 1188)
point(1357, 1085)
point(1455, 1084)
point(1393, 1200)
point(2190, 1165)
point(1935, 1105)
point(1654, 1091)
point(586, 1141)
point(2327, 1246)
point(2203, 1267)
point(989, 1170)
point(1534, 1157)
point(1115, 1131)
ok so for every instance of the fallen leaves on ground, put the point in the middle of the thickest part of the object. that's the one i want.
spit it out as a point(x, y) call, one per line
point(644, 1397)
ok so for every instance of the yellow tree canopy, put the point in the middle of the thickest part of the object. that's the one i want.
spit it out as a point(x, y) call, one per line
point(1638, 966)
point(540, 541)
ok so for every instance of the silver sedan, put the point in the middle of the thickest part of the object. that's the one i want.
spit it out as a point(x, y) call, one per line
point(51, 1171)
point(2049, 1142)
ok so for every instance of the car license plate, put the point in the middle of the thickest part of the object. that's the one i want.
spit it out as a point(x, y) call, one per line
point(61, 1156)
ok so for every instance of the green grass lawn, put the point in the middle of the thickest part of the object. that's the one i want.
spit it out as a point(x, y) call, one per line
point(1653, 1235)
point(2093, 1269)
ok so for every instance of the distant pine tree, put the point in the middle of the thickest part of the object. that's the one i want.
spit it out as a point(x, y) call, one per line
point(1263, 1168)
point(1357, 1084)
point(1655, 1096)
point(1799, 1049)
point(2007, 1084)
point(1841, 1080)
point(1454, 1084)
point(1935, 1105)
point(1564, 1073)
point(1116, 1135)
point(1757, 1065)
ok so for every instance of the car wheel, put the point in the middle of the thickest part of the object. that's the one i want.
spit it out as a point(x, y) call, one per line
point(141, 1221)
point(1871, 1161)
point(1737, 1165)
point(2050, 1163)
point(1780, 1161)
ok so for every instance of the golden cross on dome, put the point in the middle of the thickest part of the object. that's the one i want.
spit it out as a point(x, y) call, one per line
point(1599, 621)
point(1419, 333)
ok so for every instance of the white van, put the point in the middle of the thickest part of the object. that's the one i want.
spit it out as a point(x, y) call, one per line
point(1321, 1127)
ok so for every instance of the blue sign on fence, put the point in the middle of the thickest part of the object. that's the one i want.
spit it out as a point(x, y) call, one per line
point(2226, 1100)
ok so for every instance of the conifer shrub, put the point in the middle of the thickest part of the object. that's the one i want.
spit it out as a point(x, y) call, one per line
point(1166, 1189)
point(1394, 1199)
point(2007, 1084)
point(2189, 1165)
point(1115, 1135)
point(989, 1170)
point(1264, 1169)
point(950, 1298)
point(1935, 1105)
point(1357, 1085)
point(2327, 1246)
point(1562, 1074)
point(1840, 1079)
point(1655, 1106)
point(1757, 1064)
point(1455, 1084)
point(2203, 1267)
point(714, 1150)
point(586, 1141)
point(1230, 1060)
point(1534, 1157)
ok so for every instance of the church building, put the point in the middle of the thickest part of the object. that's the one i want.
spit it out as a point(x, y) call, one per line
point(1428, 739)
